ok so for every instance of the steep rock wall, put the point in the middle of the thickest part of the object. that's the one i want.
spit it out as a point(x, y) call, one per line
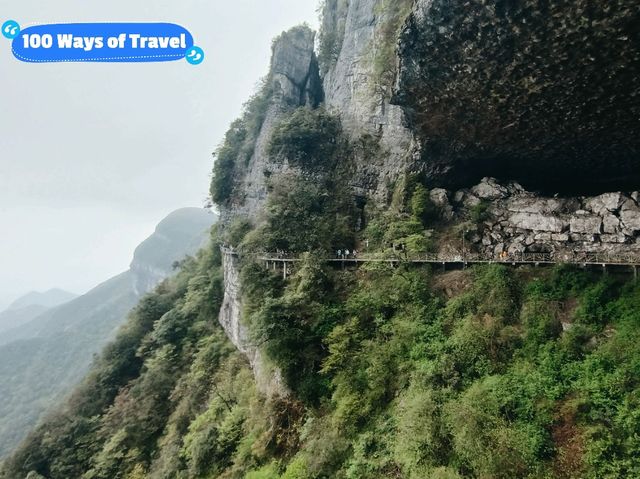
point(269, 381)
point(542, 92)
point(353, 92)
point(346, 90)
point(294, 81)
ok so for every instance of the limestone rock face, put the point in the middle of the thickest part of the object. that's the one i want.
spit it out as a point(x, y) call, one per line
point(611, 223)
point(545, 93)
point(352, 91)
point(230, 318)
point(295, 81)
point(489, 189)
point(607, 202)
point(537, 222)
point(586, 224)
point(520, 91)
point(440, 198)
point(631, 219)
point(181, 233)
point(294, 68)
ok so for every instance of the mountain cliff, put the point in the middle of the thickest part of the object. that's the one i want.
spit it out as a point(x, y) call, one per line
point(311, 340)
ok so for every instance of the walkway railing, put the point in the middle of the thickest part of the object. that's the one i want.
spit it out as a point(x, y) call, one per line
point(580, 258)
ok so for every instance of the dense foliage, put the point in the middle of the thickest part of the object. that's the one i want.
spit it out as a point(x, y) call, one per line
point(510, 373)
point(403, 382)
point(111, 423)
point(323, 221)
point(309, 138)
point(393, 371)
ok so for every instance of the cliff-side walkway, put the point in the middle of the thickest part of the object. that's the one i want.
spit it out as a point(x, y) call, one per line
point(629, 261)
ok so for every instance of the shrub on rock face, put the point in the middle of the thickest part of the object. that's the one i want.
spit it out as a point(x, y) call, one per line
point(238, 145)
point(422, 207)
point(308, 138)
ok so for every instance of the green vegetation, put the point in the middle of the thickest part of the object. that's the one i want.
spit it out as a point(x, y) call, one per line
point(394, 13)
point(43, 359)
point(480, 212)
point(390, 378)
point(519, 374)
point(238, 145)
point(333, 14)
point(403, 225)
point(307, 138)
point(393, 371)
point(301, 216)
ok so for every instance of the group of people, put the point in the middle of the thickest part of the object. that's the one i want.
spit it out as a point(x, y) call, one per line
point(347, 254)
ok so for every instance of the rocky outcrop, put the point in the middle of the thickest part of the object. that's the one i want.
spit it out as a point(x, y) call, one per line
point(294, 81)
point(268, 380)
point(347, 90)
point(515, 220)
point(544, 93)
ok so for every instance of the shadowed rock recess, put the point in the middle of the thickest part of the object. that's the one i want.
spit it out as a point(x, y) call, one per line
point(542, 92)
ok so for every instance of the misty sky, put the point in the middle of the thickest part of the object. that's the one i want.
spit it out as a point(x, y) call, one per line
point(92, 156)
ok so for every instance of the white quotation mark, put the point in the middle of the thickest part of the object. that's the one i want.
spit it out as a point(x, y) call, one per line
point(10, 29)
point(195, 55)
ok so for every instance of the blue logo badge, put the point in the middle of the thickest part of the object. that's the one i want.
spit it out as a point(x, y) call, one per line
point(195, 55)
point(102, 42)
point(10, 29)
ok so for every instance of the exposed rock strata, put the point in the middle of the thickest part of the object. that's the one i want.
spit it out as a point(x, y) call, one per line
point(540, 91)
point(519, 221)
point(353, 92)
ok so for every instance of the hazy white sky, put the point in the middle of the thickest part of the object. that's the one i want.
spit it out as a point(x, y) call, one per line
point(92, 156)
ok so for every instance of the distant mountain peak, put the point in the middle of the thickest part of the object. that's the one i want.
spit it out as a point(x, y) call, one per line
point(48, 299)
point(182, 232)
